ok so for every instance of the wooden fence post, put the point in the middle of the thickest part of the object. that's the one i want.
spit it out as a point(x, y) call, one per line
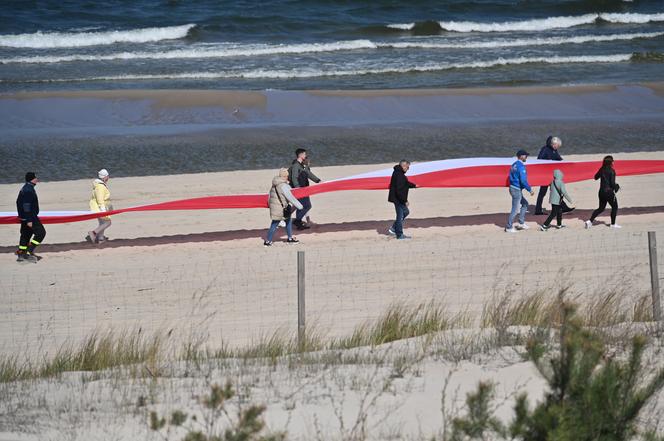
point(300, 301)
point(654, 277)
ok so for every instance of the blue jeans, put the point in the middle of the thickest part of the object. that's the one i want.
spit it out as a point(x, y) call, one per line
point(275, 224)
point(306, 206)
point(402, 214)
point(517, 199)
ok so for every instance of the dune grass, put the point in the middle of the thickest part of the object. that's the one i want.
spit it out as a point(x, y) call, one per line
point(97, 352)
point(106, 350)
point(601, 309)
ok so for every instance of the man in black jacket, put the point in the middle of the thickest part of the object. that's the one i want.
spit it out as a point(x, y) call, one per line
point(299, 175)
point(32, 230)
point(399, 186)
point(549, 151)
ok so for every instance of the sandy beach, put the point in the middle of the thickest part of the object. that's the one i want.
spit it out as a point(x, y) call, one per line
point(167, 270)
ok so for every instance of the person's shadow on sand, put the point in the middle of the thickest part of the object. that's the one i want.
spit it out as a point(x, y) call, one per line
point(381, 227)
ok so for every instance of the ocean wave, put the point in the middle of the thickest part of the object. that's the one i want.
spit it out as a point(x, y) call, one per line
point(316, 73)
point(537, 24)
point(206, 51)
point(628, 18)
point(402, 26)
point(550, 41)
point(49, 40)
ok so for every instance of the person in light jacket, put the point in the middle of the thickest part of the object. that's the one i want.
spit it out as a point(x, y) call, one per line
point(556, 196)
point(100, 201)
point(280, 201)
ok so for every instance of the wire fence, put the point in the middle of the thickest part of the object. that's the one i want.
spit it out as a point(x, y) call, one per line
point(239, 297)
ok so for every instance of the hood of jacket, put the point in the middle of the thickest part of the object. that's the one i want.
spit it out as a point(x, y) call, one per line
point(398, 168)
point(558, 175)
point(98, 181)
point(277, 180)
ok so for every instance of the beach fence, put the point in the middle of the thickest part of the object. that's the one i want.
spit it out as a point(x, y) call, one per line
point(240, 296)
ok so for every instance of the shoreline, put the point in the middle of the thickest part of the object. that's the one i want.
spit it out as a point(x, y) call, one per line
point(160, 132)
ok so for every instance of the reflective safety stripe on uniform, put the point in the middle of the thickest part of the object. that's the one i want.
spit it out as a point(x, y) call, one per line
point(21, 247)
point(34, 242)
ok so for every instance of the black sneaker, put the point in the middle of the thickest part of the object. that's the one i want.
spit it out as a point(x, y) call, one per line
point(20, 256)
point(292, 240)
point(302, 226)
point(267, 243)
point(541, 213)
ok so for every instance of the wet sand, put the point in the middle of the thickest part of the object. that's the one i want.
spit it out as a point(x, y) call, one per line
point(65, 135)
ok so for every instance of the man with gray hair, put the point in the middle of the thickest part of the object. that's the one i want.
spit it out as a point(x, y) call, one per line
point(550, 152)
point(398, 195)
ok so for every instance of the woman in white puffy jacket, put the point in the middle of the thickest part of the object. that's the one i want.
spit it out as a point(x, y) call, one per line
point(100, 201)
point(281, 202)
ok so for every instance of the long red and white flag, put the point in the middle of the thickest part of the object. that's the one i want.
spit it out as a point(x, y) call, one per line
point(468, 172)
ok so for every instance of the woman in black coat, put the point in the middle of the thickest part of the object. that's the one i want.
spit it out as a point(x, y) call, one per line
point(607, 192)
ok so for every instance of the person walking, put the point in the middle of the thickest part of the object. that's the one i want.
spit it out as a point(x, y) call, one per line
point(398, 195)
point(32, 230)
point(299, 175)
point(607, 192)
point(100, 201)
point(550, 152)
point(556, 197)
point(518, 179)
point(280, 201)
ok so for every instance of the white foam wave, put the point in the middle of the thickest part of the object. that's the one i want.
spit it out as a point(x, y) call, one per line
point(217, 52)
point(632, 18)
point(314, 73)
point(551, 41)
point(402, 26)
point(548, 23)
point(49, 40)
point(203, 52)
point(525, 25)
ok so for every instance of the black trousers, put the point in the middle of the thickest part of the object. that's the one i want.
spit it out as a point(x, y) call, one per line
point(540, 198)
point(557, 212)
point(606, 198)
point(31, 237)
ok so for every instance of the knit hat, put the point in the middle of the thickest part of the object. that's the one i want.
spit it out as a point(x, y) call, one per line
point(29, 176)
point(102, 173)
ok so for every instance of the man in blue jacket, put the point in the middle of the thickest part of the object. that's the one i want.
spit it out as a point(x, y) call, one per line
point(549, 151)
point(32, 230)
point(518, 182)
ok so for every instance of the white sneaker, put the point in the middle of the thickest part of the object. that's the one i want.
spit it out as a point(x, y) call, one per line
point(614, 226)
point(560, 227)
point(588, 224)
point(282, 223)
point(391, 232)
point(510, 230)
point(522, 227)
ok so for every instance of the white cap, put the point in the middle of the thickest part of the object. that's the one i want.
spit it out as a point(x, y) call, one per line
point(102, 173)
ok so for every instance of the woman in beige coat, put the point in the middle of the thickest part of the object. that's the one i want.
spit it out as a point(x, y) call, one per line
point(100, 201)
point(280, 203)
